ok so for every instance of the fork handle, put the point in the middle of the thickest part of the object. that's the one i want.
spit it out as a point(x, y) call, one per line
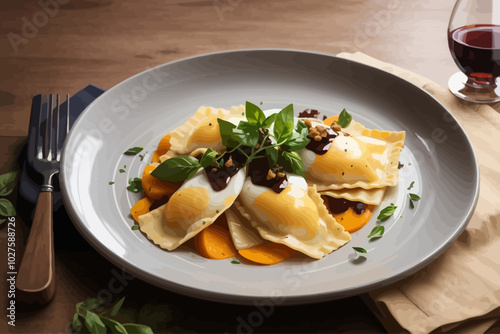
point(35, 280)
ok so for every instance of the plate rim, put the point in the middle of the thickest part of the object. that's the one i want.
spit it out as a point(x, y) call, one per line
point(233, 298)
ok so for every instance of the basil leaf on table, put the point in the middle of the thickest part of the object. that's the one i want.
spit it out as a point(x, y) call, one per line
point(137, 328)
point(254, 114)
point(5, 180)
point(377, 232)
point(229, 139)
point(94, 323)
point(344, 119)
point(178, 168)
point(283, 125)
point(387, 212)
point(114, 326)
point(209, 157)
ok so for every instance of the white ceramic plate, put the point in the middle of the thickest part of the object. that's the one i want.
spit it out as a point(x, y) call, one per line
point(141, 110)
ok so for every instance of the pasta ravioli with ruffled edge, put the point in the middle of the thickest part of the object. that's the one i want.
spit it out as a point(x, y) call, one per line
point(357, 158)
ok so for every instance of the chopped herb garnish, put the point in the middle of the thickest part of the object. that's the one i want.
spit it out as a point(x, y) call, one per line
point(124, 166)
point(344, 119)
point(217, 211)
point(111, 183)
point(135, 185)
point(387, 212)
point(377, 232)
point(360, 250)
point(121, 170)
point(235, 261)
point(135, 227)
point(203, 223)
point(411, 185)
point(133, 150)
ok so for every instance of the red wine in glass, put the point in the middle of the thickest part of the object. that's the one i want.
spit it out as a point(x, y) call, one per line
point(474, 42)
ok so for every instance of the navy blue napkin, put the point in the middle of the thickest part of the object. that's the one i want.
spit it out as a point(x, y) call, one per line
point(30, 181)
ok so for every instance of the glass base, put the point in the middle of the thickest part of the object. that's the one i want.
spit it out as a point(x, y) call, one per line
point(470, 90)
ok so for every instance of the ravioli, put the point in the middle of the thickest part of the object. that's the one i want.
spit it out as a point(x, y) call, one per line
point(243, 234)
point(371, 196)
point(357, 158)
point(201, 130)
point(193, 207)
point(296, 217)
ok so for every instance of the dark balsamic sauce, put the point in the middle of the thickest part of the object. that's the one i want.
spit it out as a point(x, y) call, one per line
point(258, 170)
point(309, 113)
point(339, 205)
point(322, 146)
point(219, 179)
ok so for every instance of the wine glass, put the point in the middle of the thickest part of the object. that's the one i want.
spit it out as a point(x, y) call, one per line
point(474, 42)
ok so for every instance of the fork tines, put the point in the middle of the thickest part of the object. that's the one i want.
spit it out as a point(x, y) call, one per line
point(50, 137)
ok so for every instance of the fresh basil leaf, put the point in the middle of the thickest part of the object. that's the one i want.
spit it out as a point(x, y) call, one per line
point(296, 165)
point(76, 324)
point(227, 133)
point(359, 250)
point(138, 329)
point(178, 168)
point(377, 232)
point(411, 185)
point(114, 326)
point(272, 153)
point(387, 212)
point(94, 323)
point(344, 119)
point(135, 185)
point(414, 197)
point(248, 134)
point(6, 208)
point(88, 304)
point(269, 121)
point(209, 157)
point(6, 179)
point(255, 115)
point(133, 150)
point(283, 125)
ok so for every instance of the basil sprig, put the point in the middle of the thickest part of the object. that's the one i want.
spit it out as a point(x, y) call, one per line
point(97, 323)
point(377, 232)
point(253, 139)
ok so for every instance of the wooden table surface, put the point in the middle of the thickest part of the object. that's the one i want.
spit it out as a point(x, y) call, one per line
point(105, 41)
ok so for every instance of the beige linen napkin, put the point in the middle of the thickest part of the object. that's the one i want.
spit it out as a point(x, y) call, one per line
point(460, 291)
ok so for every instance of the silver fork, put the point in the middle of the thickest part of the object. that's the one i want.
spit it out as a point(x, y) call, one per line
point(36, 276)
